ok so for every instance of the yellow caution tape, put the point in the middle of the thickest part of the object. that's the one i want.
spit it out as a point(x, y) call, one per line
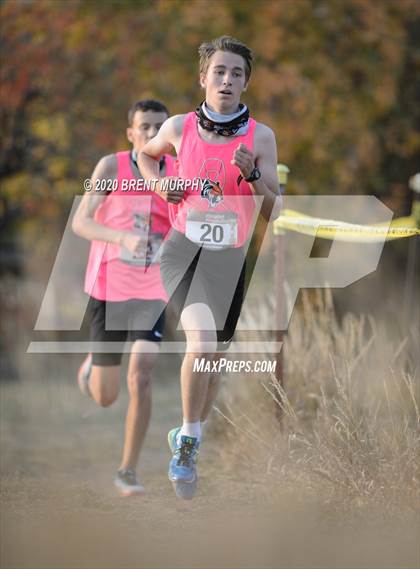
point(343, 231)
point(282, 173)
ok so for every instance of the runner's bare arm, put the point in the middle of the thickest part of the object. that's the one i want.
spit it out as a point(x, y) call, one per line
point(265, 157)
point(167, 139)
point(84, 223)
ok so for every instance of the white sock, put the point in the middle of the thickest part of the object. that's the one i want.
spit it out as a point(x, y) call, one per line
point(190, 430)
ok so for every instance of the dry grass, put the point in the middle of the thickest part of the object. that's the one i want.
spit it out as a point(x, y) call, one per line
point(350, 416)
point(334, 488)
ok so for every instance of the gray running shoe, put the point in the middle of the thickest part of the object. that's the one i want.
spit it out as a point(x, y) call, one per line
point(127, 483)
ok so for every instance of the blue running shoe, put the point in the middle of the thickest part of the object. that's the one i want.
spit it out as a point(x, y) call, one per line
point(182, 468)
point(184, 490)
point(172, 439)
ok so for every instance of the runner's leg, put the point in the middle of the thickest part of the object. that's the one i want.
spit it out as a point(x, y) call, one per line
point(142, 360)
point(200, 330)
point(104, 384)
point(102, 376)
point(212, 391)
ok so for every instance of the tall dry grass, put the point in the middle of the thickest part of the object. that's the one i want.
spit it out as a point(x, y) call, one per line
point(349, 434)
point(272, 498)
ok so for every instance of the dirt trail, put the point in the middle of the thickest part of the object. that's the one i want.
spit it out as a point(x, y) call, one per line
point(60, 509)
point(59, 456)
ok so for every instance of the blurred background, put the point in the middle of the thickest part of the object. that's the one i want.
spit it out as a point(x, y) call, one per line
point(338, 81)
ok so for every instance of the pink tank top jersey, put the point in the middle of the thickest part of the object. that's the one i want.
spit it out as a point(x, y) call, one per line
point(216, 212)
point(113, 273)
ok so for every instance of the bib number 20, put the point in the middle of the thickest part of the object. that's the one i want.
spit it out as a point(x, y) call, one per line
point(212, 233)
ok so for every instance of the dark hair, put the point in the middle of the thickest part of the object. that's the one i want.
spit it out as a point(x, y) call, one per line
point(146, 105)
point(225, 43)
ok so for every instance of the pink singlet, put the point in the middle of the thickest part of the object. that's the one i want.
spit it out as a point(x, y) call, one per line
point(220, 213)
point(113, 273)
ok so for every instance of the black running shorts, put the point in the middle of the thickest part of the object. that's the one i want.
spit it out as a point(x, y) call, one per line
point(121, 321)
point(192, 274)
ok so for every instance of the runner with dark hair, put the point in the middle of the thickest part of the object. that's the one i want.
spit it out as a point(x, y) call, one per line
point(127, 298)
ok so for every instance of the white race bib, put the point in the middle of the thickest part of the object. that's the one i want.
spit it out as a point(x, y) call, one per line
point(151, 254)
point(212, 230)
point(144, 258)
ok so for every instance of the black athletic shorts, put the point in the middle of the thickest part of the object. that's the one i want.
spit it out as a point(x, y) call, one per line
point(121, 321)
point(191, 273)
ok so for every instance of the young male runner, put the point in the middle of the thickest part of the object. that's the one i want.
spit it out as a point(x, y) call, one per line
point(127, 297)
point(203, 260)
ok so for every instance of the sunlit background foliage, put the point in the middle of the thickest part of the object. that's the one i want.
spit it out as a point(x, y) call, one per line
point(337, 80)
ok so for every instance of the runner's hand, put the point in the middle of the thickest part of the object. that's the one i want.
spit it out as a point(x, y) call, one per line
point(136, 244)
point(166, 192)
point(244, 160)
